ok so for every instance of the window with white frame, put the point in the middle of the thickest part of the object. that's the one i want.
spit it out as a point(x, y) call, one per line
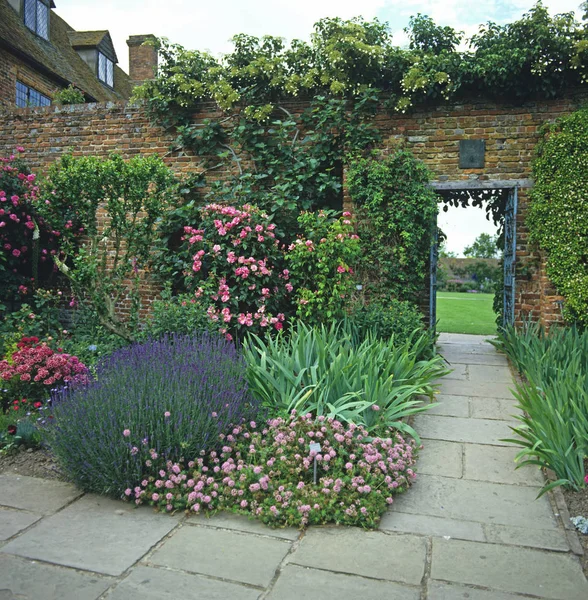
point(105, 70)
point(36, 17)
point(28, 96)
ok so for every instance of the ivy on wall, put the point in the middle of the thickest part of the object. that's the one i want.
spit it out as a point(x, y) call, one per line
point(558, 213)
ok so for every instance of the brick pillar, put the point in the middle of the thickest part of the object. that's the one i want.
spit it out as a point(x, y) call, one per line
point(142, 58)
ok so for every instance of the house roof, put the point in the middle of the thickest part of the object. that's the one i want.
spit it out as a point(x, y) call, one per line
point(57, 58)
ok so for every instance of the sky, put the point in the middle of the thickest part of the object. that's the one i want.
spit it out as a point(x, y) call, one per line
point(206, 25)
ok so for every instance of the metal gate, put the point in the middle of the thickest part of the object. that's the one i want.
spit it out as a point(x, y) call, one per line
point(509, 257)
point(433, 260)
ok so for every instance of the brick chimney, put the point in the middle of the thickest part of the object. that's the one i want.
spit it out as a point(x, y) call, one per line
point(142, 59)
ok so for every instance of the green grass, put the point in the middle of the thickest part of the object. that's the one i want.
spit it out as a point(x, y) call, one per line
point(465, 313)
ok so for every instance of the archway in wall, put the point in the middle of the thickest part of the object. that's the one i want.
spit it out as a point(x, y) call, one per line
point(499, 199)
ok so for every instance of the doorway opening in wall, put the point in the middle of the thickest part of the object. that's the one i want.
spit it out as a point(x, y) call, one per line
point(472, 283)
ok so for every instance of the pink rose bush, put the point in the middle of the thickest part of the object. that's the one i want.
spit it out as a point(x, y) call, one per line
point(268, 471)
point(321, 262)
point(238, 273)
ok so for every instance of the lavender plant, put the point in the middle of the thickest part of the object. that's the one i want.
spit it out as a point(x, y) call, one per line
point(162, 399)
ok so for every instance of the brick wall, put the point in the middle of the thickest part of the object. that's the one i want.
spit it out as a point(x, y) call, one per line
point(510, 132)
point(11, 69)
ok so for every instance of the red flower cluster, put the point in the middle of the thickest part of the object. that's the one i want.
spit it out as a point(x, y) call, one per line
point(38, 363)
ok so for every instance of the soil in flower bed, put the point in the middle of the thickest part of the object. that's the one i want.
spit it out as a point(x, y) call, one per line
point(32, 462)
point(578, 506)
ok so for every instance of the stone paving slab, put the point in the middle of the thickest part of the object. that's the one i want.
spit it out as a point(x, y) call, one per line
point(231, 555)
point(149, 583)
point(486, 373)
point(457, 429)
point(439, 457)
point(509, 569)
point(374, 554)
point(497, 464)
point(12, 521)
point(41, 496)
point(494, 408)
point(301, 583)
point(477, 501)
point(479, 390)
point(547, 539)
point(450, 406)
point(465, 339)
point(432, 526)
point(30, 580)
point(95, 534)
point(458, 372)
point(456, 357)
point(225, 520)
point(438, 590)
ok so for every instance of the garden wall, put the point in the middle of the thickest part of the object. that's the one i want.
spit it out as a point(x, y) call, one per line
point(432, 134)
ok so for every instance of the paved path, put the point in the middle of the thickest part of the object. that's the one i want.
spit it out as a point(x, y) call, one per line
point(469, 528)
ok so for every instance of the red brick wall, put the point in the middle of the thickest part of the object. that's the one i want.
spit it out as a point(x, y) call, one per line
point(511, 134)
point(11, 69)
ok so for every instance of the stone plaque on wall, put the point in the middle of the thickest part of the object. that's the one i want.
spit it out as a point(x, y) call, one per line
point(471, 154)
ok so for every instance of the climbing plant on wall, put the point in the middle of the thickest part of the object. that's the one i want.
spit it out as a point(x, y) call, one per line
point(558, 213)
point(396, 212)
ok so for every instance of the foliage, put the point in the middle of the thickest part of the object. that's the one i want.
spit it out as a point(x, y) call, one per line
point(393, 318)
point(102, 263)
point(321, 261)
point(181, 314)
point(26, 244)
point(320, 370)
point(536, 54)
point(484, 246)
point(268, 473)
point(69, 95)
point(395, 213)
point(554, 397)
point(169, 399)
point(558, 212)
point(33, 368)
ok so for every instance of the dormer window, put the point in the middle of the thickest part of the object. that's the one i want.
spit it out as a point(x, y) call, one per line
point(105, 70)
point(36, 17)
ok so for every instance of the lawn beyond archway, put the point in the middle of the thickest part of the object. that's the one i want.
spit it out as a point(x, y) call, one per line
point(465, 313)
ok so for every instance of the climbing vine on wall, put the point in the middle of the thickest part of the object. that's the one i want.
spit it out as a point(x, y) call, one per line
point(396, 212)
point(558, 214)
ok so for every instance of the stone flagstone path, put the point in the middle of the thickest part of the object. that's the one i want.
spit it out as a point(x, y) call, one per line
point(469, 528)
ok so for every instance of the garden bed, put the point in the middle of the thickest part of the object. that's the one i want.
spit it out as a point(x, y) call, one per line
point(32, 462)
point(577, 504)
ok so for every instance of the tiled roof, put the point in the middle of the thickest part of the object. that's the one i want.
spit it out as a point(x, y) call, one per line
point(57, 58)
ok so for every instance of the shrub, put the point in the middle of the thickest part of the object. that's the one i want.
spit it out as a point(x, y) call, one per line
point(26, 246)
point(558, 217)
point(182, 314)
point(384, 319)
point(33, 368)
point(69, 95)
point(169, 398)
point(321, 261)
point(268, 473)
point(554, 397)
point(320, 370)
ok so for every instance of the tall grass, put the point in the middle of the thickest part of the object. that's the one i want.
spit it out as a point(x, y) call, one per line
point(325, 371)
point(554, 397)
